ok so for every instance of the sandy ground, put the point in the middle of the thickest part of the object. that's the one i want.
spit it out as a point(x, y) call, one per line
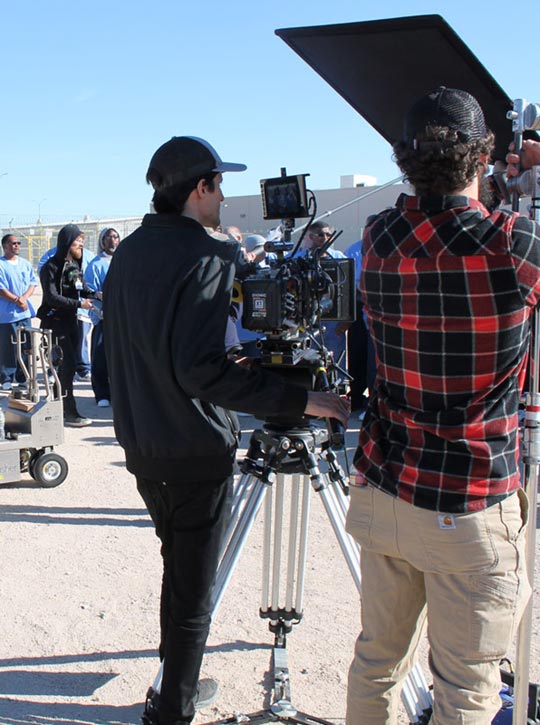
point(80, 576)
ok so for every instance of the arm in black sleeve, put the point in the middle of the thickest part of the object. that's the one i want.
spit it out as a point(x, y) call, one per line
point(198, 350)
point(51, 295)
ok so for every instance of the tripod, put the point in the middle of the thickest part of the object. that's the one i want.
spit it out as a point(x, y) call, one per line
point(281, 460)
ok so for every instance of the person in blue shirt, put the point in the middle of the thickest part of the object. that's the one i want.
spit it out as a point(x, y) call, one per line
point(17, 283)
point(334, 332)
point(83, 322)
point(94, 276)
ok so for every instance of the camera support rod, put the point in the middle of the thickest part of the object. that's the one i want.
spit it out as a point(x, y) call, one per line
point(348, 203)
point(527, 116)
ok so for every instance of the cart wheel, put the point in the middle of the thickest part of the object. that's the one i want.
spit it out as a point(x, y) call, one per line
point(49, 470)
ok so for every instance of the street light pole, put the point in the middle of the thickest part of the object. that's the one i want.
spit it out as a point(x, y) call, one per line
point(39, 203)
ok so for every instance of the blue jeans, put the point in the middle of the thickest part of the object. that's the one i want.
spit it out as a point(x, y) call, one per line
point(83, 352)
point(9, 366)
point(100, 375)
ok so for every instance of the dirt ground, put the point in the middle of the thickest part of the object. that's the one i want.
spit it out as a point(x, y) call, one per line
point(80, 579)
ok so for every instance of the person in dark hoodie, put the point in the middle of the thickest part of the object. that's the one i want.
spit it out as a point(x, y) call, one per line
point(64, 292)
point(174, 390)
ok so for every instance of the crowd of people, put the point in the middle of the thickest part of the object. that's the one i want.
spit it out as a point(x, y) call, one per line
point(71, 280)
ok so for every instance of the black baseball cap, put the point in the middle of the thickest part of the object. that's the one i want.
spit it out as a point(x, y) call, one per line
point(184, 158)
point(449, 107)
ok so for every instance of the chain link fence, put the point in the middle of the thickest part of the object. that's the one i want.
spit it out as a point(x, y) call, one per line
point(36, 239)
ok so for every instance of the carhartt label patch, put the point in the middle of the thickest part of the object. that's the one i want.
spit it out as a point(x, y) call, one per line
point(447, 521)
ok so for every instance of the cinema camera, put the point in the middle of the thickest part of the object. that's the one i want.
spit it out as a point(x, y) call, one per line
point(525, 119)
point(288, 301)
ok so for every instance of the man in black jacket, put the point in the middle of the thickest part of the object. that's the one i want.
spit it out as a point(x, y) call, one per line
point(166, 302)
point(64, 292)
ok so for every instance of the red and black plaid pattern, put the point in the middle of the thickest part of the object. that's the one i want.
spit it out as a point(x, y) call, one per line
point(448, 289)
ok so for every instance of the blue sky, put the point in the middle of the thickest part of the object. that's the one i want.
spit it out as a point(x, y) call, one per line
point(90, 90)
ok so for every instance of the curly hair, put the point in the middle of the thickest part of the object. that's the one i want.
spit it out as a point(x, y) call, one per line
point(440, 162)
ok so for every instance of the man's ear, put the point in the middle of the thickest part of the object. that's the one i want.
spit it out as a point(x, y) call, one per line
point(201, 188)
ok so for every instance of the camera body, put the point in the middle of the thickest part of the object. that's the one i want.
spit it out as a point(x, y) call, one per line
point(288, 299)
point(297, 293)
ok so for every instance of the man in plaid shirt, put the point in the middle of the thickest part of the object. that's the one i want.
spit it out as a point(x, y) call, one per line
point(438, 507)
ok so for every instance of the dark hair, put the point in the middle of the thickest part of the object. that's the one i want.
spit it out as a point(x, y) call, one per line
point(172, 199)
point(319, 226)
point(438, 162)
point(6, 237)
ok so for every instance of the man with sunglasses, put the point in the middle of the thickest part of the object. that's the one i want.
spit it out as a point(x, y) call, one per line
point(317, 236)
point(17, 283)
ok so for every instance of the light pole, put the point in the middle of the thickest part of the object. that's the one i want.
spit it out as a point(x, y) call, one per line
point(39, 203)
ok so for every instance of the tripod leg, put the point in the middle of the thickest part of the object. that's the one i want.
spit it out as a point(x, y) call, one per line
point(531, 458)
point(238, 537)
point(522, 706)
point(241, 493)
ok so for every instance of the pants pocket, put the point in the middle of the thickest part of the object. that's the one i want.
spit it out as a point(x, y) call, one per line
point(498, 598)
point(360, 514)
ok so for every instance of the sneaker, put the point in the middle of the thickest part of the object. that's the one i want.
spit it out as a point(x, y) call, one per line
point(83, 376)
point(207, 691)
point(104, 403)
point(76, 421)
point(7, 385)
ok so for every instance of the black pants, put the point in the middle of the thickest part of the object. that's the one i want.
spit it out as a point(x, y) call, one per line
point(361, 362)
point(100, 375)
point(65, 334)
point(190, 520)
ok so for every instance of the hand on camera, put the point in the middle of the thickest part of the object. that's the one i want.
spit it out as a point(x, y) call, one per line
point(529, 156)
point(328, 405)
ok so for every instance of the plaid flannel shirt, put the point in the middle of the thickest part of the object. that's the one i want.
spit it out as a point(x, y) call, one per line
point(448, 289)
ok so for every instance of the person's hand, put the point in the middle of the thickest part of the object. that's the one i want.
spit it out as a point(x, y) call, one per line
point(86, 304)
point(529, 156)
point(98, 295)
point(328, 405)
point(21, 303)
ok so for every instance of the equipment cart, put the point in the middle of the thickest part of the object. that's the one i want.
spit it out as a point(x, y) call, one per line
point(33, 416)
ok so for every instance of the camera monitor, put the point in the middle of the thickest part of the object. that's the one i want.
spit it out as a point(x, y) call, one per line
point(284, 197)
point(382, 67)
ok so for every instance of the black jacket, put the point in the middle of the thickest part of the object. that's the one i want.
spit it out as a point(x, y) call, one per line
point(62, 281)
point(166, 300)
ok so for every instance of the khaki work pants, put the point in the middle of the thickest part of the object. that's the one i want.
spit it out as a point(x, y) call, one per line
point(468, 571)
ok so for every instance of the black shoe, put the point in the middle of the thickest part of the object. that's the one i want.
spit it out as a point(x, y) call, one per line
point(76, 421)
point(207, 691)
